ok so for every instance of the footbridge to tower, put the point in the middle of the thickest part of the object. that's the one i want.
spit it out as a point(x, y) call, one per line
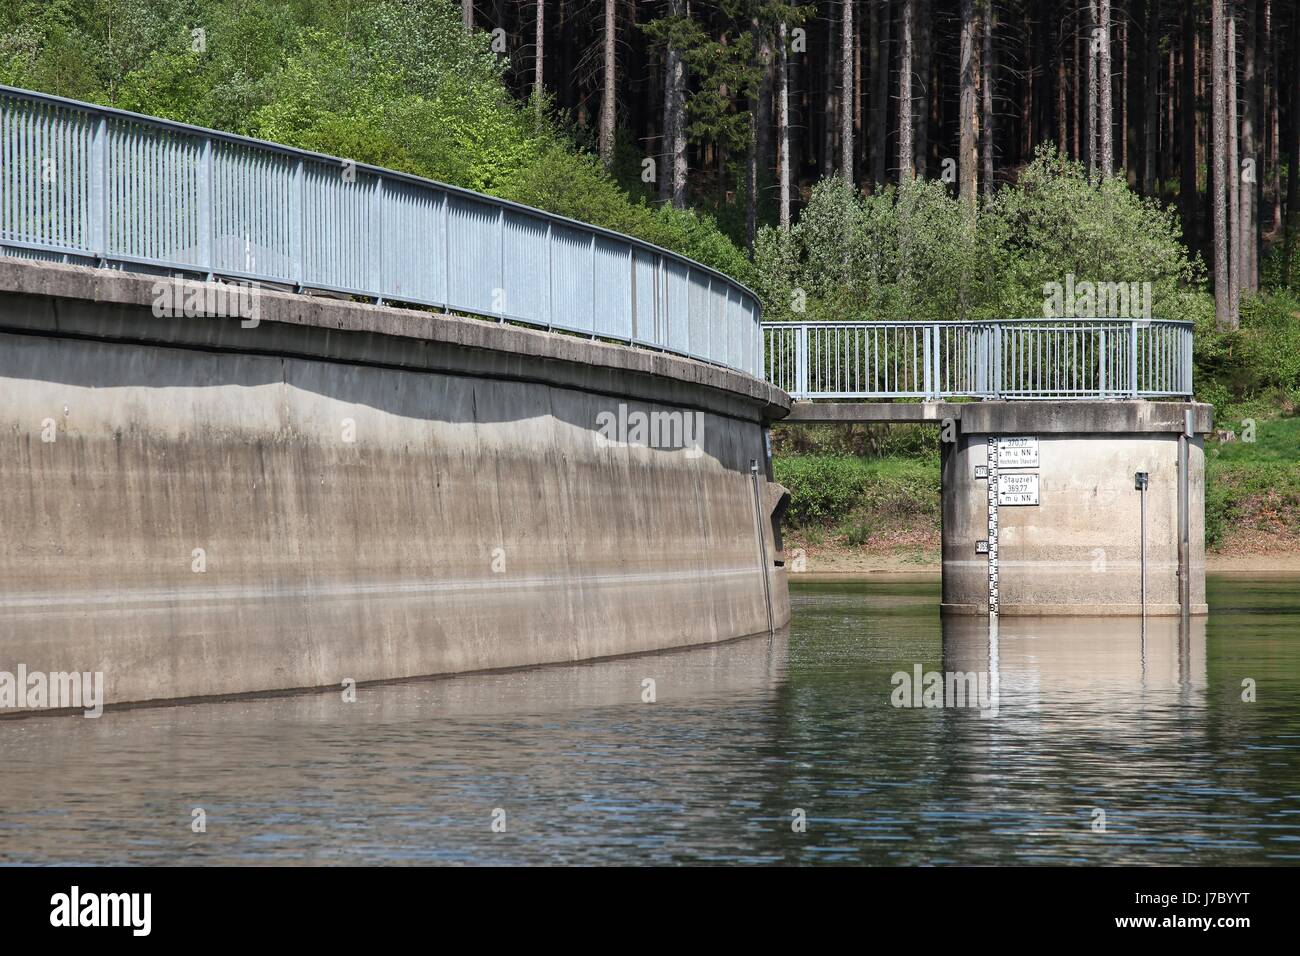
point(1072, 461)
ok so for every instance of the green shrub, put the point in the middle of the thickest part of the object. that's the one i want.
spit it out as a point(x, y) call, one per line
point(912, 252)
point(822, 487)
point(828, 489)
point(1256, 361)
point(857, 534)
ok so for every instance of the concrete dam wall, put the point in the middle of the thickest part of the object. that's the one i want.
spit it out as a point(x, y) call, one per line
point(353, 492)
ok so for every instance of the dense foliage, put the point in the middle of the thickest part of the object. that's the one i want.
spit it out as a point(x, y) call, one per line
point(828, 489)
point(911, 252)
point(397, 83)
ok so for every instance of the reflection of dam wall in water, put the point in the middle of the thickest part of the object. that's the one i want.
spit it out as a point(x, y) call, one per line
point(417, 765)
point(346, 491)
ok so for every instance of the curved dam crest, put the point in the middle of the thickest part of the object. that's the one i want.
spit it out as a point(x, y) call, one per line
point(356, 492)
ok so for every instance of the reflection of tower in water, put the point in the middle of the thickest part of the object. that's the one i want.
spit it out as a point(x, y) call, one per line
point(1108, 665)
point(1096, 735)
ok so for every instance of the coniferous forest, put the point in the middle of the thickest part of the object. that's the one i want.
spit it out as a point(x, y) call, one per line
point(745, 105)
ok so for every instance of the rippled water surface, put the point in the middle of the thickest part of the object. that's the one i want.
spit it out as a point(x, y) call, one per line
point(1084, 724)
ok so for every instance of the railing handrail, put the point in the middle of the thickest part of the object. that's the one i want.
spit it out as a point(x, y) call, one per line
point(1022, 358)
point(960, 323)
point(413, 178)
point(551, 270)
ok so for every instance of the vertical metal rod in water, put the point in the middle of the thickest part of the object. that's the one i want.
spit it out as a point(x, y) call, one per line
point(1140, 482)
point(1184, 511)
point(765, 565)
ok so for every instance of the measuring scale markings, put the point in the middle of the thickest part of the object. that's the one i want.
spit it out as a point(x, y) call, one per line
point(993, 524)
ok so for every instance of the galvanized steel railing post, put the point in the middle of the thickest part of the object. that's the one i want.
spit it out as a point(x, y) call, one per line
point(593, 282)
point(446, 249)
point(937, 378)
point(1133, 358)
point(997, 361)
point(298, 224)
point(205, 201)
point(500, 296)
point(631, 289)
point(925, 357)
point(376, 250)
point(1102, 360)
point(661, 302)
point(689, 343)
point(801, 361)
point(99, 191)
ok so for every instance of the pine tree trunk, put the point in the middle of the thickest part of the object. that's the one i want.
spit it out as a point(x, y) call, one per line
point(1234, 166)
point(905, 148)
point(1151, 98)
point(1105, 88)
point(968, 162)
point(673, 182)
point(751, 183)
point(1248, 172)
point(988, 21)
point(1127, 131)
point(1274, 86)
point(880, 93)
point(1293, 158)
point(859, 152)
point(846, 91)
point(783, 121)
point(1187, 189)
point(1076, 90)
point(921, 41)
point(1029, 103)
point(539, 38)
point(760, 133)
point(1168, 149)
point(1219, 121)
point(607, 97)
point(829, 113)
point(1094, 93)
point(467, 15)
point(1062, 96)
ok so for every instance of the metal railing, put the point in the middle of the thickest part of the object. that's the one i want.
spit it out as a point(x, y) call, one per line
point(87, 184)
point(1018, 358)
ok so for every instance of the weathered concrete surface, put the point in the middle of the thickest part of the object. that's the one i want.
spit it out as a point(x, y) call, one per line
point(1013, 416)
point(377, 494)
point(847, 413)
point(1077, 552)
point(1102, 418)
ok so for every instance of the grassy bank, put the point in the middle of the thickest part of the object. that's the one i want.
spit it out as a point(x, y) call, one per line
point(845, 505)
point(1252, 488)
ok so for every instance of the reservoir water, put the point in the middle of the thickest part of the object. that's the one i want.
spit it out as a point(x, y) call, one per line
point(1082, 741)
